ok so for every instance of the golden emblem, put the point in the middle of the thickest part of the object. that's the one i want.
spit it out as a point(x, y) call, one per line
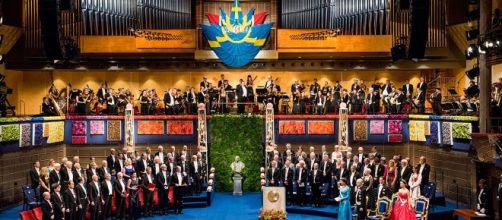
point(273, 196)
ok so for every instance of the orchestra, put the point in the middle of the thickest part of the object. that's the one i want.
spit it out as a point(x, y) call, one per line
point(386, 98)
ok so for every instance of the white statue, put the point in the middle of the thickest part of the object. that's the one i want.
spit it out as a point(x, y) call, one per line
point(237, 166)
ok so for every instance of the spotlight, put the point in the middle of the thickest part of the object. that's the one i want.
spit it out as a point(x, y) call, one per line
point(482, 49)
point(472, 34)
point(472, 51)
point(488, 44)
point(472, 73)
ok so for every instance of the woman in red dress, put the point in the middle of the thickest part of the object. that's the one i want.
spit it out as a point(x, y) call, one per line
point(403, 210)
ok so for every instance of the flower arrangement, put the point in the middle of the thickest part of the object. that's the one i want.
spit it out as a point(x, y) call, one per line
point(272, 214)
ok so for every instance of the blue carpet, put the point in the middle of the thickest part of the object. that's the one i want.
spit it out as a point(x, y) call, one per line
point(226, 206)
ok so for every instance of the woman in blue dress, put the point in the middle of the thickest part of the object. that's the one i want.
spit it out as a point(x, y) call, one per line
point(344, 208)
point(128, 170)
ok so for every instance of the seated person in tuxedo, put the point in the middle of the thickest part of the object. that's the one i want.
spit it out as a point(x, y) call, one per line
point(47, 207)
point(179, 181)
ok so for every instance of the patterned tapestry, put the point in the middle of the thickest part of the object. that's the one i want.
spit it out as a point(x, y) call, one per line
point(179, 127)
point(427, 128)
point(150, 127)
point(25, 139)
point(38, 134)
point(434, 136)
point(321, 127)
point(360, 130)
point(446, 130)
point(395, 126)
point(292, 127)
point(417, 130)
point(46, 130)
point(78, 139)
point(377, 127)
point(79, 128)
point(9, 132)
point(395, 138)
point(462, 130)
point(56, 132)
point(97, 127)
point(114, 130)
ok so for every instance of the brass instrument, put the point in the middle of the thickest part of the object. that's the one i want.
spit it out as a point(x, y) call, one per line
point(54, 96)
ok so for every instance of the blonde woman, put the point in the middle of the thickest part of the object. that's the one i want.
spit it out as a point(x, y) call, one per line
point(391, 174)
point(44, 180)
point(50, 164)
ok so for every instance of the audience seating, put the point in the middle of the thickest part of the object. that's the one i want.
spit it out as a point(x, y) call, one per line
point(429, 192)
point(27, 215)
point(30, 199)
point(422, 208)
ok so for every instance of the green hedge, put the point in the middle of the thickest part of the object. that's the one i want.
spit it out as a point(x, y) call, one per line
point(236, 135)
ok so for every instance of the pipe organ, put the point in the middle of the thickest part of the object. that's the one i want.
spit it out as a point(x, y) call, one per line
point(362, 17)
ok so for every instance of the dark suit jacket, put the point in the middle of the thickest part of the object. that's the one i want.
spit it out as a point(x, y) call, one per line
point(186, 167)
point(425, 174)
point(82, 195)
point(54, 178)
point(112, 163)
point(76, 175)
point(406, 174)
point(160, 179)
point(342, 174)
point(140, 167)
point(71, 202)
point(328, 168)
point(379, 172)
point(405, 91)
point(145, 179)
point(317, 177)
point(486, 201)
point(276, 176)
point(89, 174)
point(192, 168)
point(240, 91)
point(93, 192)
point(385, 191)
point(175, 181)
point(47, 210)
point(35, 178)
point(354, 178)
point(104, 189)
point(309, 164)
point(117, 188)
point(101, 172)
point(360, 199)
point(370, 166)
point(57, 202)
point(423, 86)
point(303, 175)
point(290, 175)
point(65, 177)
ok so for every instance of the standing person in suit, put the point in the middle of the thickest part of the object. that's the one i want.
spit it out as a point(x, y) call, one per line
point(381, 190)
point(242, 96)
point(326, 169)
point(404, 173)
point(192, 101)
point(106, 196)
point(169, 102)
point(148, 189)
point(180, 182)
point(195, 174)
point(316, 182)
point(342, 172)
point(184, 164)
point(353, 176)
point(57, 202)
point(163, 181)
point(367, 165)
point(103, 170)
point(408, 89)
point(360, 154)
point(47, 207)
point(360, 199)
point(424, 170)
point(81, 191)
point(66, 175)
point(35, 175)
point(422, 85)
point(301, 178)
point(112, 159)
point(378, 170)
point(78, 173)
point(436, 101)
point(287, 179)
point(95, 195)
point(119, 187)
point(55, 176)
point(160, 153)
point(419, 101)
point(92, 171)
point(142, 164)
point(484, 199)
point(273, 174)
point(71, 202)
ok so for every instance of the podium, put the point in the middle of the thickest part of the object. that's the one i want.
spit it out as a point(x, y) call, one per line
point(237, 185)
point(274, 198)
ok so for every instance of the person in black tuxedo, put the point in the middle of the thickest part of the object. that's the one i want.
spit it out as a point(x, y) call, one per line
point(57, 201)
point(184, 164)
point(367, 165)
point(242, 96)
point(353, 176)
point(273, 174)
point(408, 89)
point(119, 187)
point(78, 173)
point(361, 155)
point(311, 161)
point(378, 170)
point(35, 175)
point(381, 190)
point(326, 169)
point(142, 164)
point(372, 100)
point(316, 182)
point(342, 172)
point(221, 82)
point(148, 188)
point(422, 85)
point(92, 171)
point(192, 101)
point(71, 201)
point(436, 102)
point(355, 86)
point(403, 174)
point(195, 171)
point(419, 101)
point(94, 192)
point(484, 199)
point(103, 170)
point(360, 199)
point(169, 106)
point(106, 196)
point(287, 179)
point(81, 191)
point(66, 175)
point(47, 207)
point(55, 176)
point(424, 170)
point(163, 181)
point(171, 165)
point(179, 180)
point(112, 160)
point(301, 178)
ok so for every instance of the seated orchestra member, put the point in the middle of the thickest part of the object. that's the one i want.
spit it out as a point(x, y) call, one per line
point(179, 181)
point(473, 90)
point(47, 107)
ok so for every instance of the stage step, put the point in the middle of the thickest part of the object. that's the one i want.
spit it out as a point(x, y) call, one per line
point(202, 204)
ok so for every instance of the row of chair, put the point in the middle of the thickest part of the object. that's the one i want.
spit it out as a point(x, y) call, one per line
point(385, 205)
point(33, 214)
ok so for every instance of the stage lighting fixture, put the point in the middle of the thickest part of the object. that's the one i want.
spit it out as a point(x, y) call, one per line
point(472, 73)
point(472, 51)
point(472, 34)
point(482, 49)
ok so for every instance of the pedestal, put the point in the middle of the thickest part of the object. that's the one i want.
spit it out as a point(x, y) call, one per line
point(237, 185)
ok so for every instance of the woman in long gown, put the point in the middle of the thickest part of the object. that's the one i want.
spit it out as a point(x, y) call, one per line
point(414, 184)
point(344, 209)
point(391, 175)
point(132, 185)
point(402, 209)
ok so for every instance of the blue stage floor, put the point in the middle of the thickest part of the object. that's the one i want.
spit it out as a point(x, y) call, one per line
point(226, 206)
